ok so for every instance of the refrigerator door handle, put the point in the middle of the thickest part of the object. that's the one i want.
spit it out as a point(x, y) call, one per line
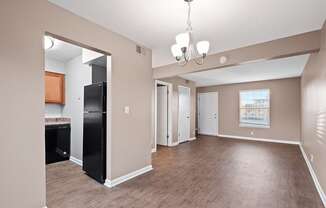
point(92, 112)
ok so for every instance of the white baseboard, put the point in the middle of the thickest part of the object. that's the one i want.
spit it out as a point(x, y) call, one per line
point(75, 160)
point(208, 134)
point(174, 144)
point(192, 139)
point(260, 139)
point(121, 179)
point(153, 150)
point(314, 177)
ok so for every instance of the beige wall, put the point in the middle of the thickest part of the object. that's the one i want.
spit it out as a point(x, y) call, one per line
point(285, 109)
point(284, 47)
point(23, 23)
point(313, 88)
point(177, 81)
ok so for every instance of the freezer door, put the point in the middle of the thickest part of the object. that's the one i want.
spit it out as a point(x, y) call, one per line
point(94, 98)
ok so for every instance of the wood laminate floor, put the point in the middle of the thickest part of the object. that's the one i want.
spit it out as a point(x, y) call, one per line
point(208, 172)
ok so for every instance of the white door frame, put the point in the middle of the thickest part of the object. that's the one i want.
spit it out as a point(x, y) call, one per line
point(180, 86)
point(217, 111)
point(170, 91)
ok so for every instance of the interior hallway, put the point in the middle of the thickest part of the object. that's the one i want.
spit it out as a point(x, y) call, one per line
point(208, 172)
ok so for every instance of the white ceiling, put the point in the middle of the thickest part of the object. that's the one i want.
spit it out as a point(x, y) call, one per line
point(264, 70)
point(63, 51)
point(227, 24)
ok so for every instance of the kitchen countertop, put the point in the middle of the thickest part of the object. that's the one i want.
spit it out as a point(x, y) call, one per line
point(57, 121)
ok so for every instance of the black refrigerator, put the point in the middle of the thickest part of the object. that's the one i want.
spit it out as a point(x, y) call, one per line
point(94, 141)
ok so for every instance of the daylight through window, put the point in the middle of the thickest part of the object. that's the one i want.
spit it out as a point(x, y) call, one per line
point(255, 108)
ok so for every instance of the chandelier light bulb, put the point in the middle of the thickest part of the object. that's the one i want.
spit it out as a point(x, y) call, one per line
point(203, 47)
point(176, 50)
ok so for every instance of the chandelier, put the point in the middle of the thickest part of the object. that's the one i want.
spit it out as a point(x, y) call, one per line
point(184, 49)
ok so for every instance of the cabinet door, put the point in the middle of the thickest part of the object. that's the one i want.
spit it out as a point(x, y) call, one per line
point(54, 88)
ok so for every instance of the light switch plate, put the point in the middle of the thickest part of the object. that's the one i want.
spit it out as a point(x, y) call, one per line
point(127, 110)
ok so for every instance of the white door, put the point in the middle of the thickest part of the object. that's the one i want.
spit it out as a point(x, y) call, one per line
point(208, 113)
point(162, 115)
point(184, 114)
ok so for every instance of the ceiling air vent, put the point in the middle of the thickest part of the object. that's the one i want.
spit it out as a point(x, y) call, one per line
point(140, 50)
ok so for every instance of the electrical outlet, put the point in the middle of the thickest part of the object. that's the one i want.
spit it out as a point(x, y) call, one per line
point(311, 158)
point(252, 133)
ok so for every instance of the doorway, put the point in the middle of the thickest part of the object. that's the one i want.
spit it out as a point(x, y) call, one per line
point(208, 113)
point(75, 128)
point(163, 114)
point(184, 114)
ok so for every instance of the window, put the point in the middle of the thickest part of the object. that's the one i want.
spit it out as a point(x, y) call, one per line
point(254, 108)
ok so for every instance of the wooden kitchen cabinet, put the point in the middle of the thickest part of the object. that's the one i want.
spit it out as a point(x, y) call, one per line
point(54, 88)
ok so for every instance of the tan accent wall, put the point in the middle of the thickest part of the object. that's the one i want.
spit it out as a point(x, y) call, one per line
point(23, 23)
point(176, 82)
point(313, 88)
point(285, 109)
